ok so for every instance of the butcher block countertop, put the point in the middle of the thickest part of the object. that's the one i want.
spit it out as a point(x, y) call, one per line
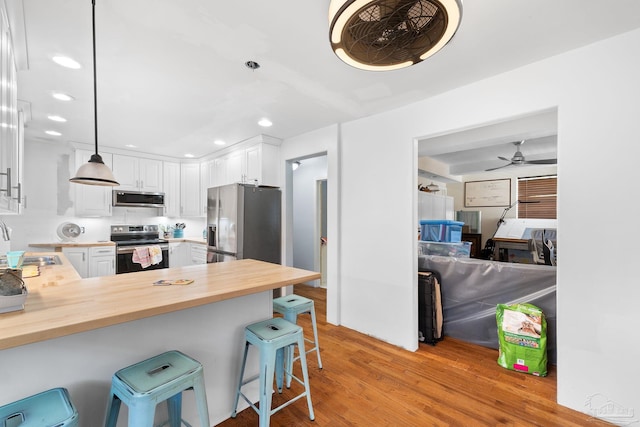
point(59, 303)
point(59, 245)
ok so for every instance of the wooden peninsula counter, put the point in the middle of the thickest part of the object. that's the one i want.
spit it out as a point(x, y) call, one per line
point(76, 333)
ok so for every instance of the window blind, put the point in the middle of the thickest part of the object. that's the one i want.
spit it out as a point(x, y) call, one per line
point(539, 188)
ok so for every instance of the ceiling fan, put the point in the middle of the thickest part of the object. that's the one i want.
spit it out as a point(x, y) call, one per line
point(518, 159)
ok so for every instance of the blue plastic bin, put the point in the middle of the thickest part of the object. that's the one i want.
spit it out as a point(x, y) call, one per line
point(437, 230)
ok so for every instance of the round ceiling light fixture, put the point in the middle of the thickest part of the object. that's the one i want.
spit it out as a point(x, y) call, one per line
point(382, 35)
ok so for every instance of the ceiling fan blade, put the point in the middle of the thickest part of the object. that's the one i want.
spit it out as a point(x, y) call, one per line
point(542, 162)
point(504, 158)
point(499, 167)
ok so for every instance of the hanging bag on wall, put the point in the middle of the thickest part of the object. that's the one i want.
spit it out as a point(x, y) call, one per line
point(522, 338)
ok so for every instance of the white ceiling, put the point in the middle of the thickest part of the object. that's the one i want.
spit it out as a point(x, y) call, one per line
point(172, 79)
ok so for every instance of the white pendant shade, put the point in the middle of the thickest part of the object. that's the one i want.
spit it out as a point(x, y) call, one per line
point(95, 172)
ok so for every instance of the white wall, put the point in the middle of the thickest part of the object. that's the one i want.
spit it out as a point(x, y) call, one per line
point(596, 92)
point(306, 243)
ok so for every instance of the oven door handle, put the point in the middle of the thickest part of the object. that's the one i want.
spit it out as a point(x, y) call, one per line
point(130, 249)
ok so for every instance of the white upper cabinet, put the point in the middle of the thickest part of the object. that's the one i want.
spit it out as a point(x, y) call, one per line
point(92, 200)
point(256, 164)
point(261, 164)
point(171, 188)
point(190, 197)
point(435, 207)
point(136, 173)
point(11, 137)
point(235, 167)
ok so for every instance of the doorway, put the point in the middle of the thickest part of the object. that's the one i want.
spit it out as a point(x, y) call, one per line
point(308, 213)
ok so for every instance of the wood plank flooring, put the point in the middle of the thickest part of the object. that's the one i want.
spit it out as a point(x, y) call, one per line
point(368, 382)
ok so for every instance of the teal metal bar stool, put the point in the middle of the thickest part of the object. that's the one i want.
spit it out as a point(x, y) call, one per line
point(51, 408)
point(145, 384)
point(290, 306)
point(272, 337)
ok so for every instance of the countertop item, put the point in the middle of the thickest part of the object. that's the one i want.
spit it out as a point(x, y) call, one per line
point(68, 231)
point(59, 304)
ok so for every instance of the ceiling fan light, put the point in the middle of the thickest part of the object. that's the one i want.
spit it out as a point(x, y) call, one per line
point(381, 35)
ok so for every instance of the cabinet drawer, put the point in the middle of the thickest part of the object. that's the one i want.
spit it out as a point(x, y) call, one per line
point(102, 250)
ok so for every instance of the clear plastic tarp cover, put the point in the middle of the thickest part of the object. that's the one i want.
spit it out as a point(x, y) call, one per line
point(472, 288)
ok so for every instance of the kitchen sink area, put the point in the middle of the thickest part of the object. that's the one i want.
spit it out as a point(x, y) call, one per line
point(34, 260)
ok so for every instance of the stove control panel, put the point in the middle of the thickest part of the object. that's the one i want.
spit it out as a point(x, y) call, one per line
point(133, 229)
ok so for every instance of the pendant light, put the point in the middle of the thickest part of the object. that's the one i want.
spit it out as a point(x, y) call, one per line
point(381, 35)
point(95, 172)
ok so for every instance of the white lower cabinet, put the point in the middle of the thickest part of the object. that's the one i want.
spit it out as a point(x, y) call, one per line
point(178, 254)
point(102, 261)
point(92, 261)
point(79, 258)
point(198, 253)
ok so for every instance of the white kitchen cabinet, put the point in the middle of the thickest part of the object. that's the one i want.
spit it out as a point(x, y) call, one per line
point(79, 258)
point(92, 200)
point(255, 164)
point(433, 206)
point(178, 254)
point(137, 173)
point(92, 261)
point(219, 176)
point(190, 192)
point(207, 180)
point(235, 167)
point(171, 188)
point(198, 252)
point(11, 131)
point(102, 261)
point(261, 164)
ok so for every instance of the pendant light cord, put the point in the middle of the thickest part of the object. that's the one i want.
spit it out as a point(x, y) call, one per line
point(95, 84)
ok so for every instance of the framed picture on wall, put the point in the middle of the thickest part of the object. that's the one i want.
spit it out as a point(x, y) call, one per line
point(489, 193)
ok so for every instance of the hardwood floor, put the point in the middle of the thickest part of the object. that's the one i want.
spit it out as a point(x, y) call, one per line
point(368, 382)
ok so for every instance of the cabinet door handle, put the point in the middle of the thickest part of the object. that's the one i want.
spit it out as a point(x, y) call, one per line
point(8, 175)
point(83, 259)
point(19, 188)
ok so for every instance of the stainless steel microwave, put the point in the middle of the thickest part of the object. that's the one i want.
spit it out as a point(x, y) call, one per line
point(138, 199)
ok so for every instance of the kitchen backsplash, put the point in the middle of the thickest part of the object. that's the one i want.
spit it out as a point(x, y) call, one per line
point(49, 204)
point(42, 228)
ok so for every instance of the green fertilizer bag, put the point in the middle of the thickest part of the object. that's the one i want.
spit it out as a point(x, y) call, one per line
point(522, 337)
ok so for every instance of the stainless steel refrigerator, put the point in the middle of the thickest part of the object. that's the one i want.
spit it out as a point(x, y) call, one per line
point(244, 221)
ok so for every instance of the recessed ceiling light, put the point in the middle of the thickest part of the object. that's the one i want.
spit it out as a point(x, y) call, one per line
point(52, 132)
point(131, 146)
point(265, 122)
point(66, 62)
point(57, 118)
point(219, 142)
point(62, 96)
point(189, 155)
